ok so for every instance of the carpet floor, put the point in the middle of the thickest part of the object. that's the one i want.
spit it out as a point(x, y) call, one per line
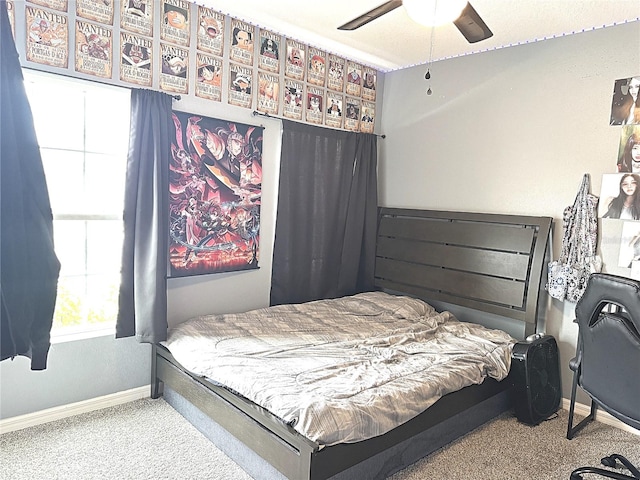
point(148, 439)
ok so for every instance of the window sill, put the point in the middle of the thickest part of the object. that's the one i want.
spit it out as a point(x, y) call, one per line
point(73, 335)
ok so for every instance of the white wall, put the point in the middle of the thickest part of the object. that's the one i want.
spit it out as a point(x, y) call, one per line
point(510, 131)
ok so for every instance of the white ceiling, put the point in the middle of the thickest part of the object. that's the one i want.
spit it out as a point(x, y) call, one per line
point(394, 41)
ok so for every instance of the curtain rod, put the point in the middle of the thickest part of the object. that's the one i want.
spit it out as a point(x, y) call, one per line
point(256, 113)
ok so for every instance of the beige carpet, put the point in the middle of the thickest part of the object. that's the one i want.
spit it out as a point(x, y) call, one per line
point(147, 439)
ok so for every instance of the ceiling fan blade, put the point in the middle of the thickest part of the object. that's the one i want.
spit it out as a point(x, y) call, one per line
point(472, 26)
point(371, 15)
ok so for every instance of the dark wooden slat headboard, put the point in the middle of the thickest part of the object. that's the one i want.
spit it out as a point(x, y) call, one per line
point(487, 262)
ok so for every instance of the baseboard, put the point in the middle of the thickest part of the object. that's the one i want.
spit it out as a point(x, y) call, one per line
point(64, 411)
point(601, 416)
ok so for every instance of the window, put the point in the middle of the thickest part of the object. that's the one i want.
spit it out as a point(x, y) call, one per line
point(83, 133)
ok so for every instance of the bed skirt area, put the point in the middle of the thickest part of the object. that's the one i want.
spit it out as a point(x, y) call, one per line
point(380, 466)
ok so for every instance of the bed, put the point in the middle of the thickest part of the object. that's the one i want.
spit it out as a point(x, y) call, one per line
point(485, 268)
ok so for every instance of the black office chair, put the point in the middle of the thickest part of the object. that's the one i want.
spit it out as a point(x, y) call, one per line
point(607, 362)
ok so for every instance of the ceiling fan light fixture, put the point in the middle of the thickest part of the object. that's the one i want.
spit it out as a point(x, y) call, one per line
point(434, 12)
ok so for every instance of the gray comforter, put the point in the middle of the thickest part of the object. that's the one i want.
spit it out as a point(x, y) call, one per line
point(342, 370)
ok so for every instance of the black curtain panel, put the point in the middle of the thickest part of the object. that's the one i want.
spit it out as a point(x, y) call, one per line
point(327, 212)
point(28, 264)
point(142, 308)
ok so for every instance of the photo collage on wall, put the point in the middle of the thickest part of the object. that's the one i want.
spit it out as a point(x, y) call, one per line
point(183, 48)
point(620, 194)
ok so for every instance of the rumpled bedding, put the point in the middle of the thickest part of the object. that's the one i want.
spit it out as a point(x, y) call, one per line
point(342, 370)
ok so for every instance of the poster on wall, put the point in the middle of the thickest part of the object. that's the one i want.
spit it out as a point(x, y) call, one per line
point(335, 101)
point(175, 22)
point(354, 79)
point(101, 12)
point(174, 69)
point(242, 35)
point(137, 16)
point(352, 114)
point(292, 105)
point(335, 75)
point(630, 246)
point(367, 120)
point(369, 80)
point(315, 105)
point(136, 59)
point(210, 37)
point(269, 57)
point(209, 78)
point(47, 39)
point(294, 64)
point(94, 49)
point(629, 150)
point(268, 93)
point(60, 5)
point(618, 196)
point(240, 86)
point(317, 72)
point(215, 183)
point(625, 102)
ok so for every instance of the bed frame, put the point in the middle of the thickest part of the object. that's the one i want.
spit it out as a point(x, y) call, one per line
point(487, 265)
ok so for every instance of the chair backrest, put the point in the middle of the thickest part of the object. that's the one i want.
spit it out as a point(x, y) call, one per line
point(609, 345)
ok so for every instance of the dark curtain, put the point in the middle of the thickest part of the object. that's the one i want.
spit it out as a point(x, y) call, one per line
point(327, 213)
point(29, 266)
point(143, 289)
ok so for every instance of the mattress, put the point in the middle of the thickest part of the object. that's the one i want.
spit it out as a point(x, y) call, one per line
point(342, 370)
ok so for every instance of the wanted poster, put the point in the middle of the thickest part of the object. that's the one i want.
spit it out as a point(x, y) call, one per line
point(292, 99)
point(268, 93)
point(240, 83)
point(136, 59)
point(47, 39)
point(317, 72)
point(12, 18)
point(242, 36)
point(174, 68)
point(96, 10)
point(367, 117)
point(269, 56)
point(294, 64)
point(352, 114)
point(175, 22)
point(94, 49)
point(137, 16)
point(354, 79)
point(315, 105)
point(210, 36)
point(60, 5)
point(209, 77)
point(335, 73)
point(333, 116)
point(369, 80)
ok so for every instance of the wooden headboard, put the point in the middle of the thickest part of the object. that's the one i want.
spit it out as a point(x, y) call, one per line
point(486, 262)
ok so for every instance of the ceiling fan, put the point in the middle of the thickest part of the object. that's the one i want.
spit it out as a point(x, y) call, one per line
point(468, 22)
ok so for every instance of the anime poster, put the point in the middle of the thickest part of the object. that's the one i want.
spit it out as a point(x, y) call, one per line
point(292, 99)
point(369, 81)
point(315, 105)
point(268, 93)
point(352, 114)
point(175, 22)
point(240, 85)
point(335, 74)
point(269, 57)
point(629, 149)
point(354, 79)
point(94, 49)
point(209, 77)
point(333, 117)
point(215, 183)
point(12, 18)
point(295, 61)
point(47, 39)
point(316, 73)
point(625, 103)
point(101, 12)
point(367, 120)
point(210, 36)
point(136, 59)
point(137, 16)
point(242, 36)
point(174, 69)
point(60, 5)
